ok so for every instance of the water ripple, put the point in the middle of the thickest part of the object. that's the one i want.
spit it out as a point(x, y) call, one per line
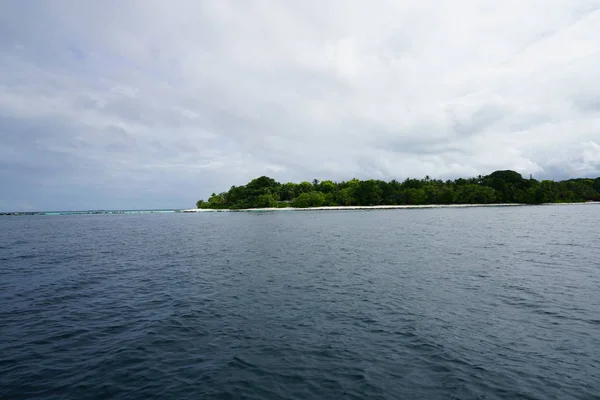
point(377, 305)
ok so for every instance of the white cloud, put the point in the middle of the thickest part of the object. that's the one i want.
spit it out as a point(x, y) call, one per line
point(184, 98)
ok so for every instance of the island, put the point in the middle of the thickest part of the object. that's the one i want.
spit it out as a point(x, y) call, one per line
point(504, 187)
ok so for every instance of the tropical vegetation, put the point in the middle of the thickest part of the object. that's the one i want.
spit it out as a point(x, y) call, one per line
point(504, 186)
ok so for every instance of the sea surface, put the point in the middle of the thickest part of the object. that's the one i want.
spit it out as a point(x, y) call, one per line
point(473, 303)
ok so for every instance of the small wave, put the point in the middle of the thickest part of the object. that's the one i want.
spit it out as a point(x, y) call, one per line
point(263, 309)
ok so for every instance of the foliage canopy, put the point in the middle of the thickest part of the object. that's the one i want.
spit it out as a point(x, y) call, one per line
point(498, 187)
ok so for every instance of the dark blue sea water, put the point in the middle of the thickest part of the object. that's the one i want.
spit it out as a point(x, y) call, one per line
point(490, 303)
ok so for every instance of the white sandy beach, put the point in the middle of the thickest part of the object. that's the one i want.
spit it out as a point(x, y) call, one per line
point(350, 208)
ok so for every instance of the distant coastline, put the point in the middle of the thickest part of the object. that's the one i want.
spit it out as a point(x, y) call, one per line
point(324, 208)
point(87, 212)
point(382, 207)
point(500, 188)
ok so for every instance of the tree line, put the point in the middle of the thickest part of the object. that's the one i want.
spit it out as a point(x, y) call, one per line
point(504, 186)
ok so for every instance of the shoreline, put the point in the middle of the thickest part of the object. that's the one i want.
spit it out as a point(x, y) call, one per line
point(325, 208)
point(382, 207)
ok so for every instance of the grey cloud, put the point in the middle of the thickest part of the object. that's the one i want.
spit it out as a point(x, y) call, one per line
point(483, 118)
point(588, 103)
point(165, 104)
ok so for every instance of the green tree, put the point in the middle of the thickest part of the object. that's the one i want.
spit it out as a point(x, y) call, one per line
point(327, 187)
point(312, 199)
point(287, 191)
point(344, 197)
point(236, 195)
point(412, 184)
point(415, 196)
point(216, 201)
point(304, 187)
point(499, 186)
point(262, 185)
point(475, 194)
point(267, 200)
point(447, 195)
point(596, 185)
point(545, 192)
point(368, 193)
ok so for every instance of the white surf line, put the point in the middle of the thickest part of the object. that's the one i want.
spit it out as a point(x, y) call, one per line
point(350, 208)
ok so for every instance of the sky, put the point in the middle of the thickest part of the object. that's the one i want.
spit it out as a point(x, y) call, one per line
point(156, 104)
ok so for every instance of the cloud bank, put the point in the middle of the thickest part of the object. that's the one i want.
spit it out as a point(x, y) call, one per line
point(151, 104)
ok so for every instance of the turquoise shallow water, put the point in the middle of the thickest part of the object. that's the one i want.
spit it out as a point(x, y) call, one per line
point(475, 303)
point(89, 212)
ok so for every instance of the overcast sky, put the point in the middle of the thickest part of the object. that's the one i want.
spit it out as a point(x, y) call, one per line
point(152, 104)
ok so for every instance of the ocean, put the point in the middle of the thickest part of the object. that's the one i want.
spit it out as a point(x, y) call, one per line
point(464, 303)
